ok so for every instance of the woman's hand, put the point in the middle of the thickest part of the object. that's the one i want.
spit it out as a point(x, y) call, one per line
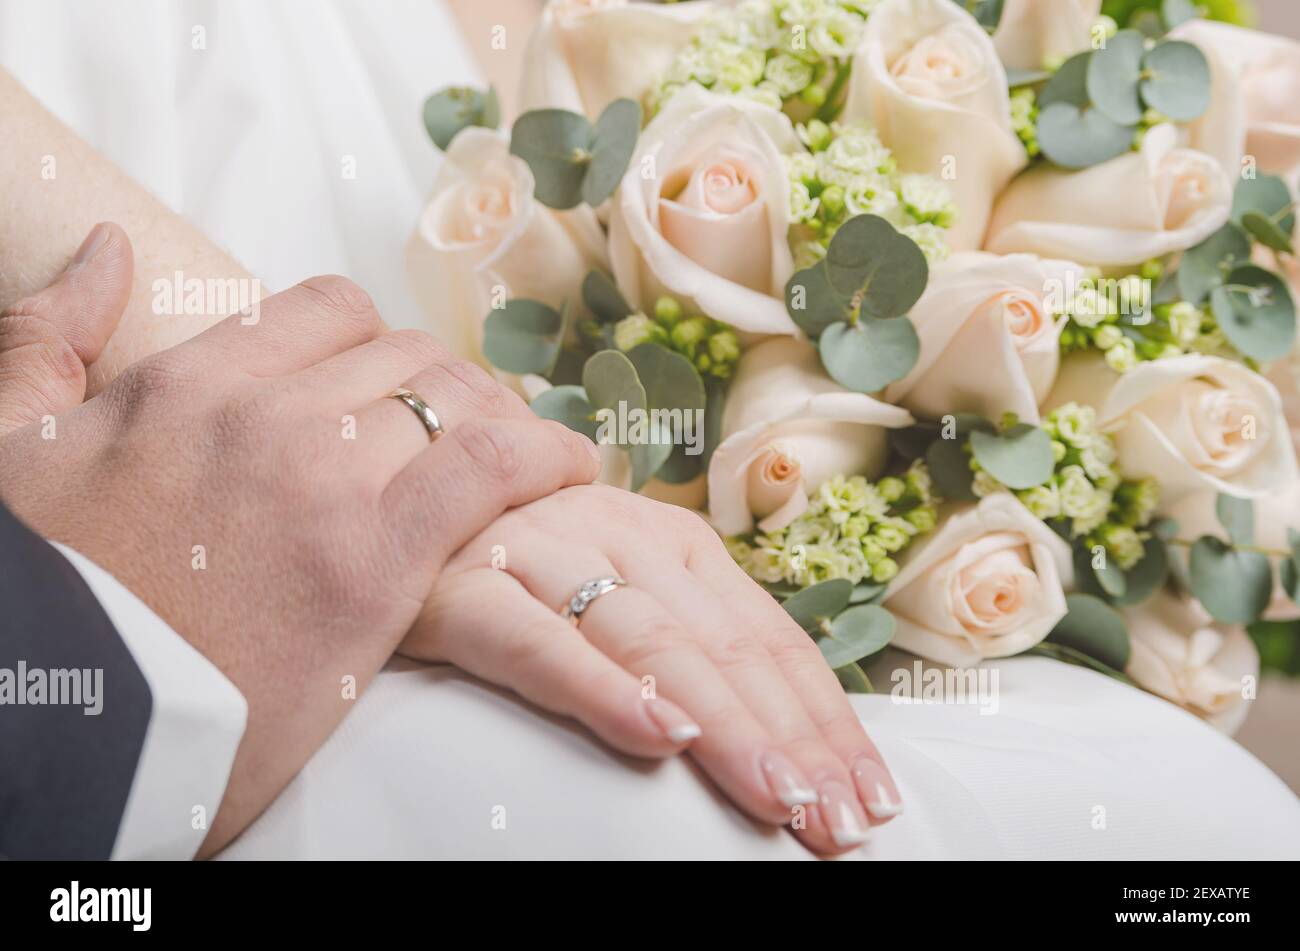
point(690, 653)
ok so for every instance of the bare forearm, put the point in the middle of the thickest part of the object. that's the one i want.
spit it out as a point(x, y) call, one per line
point(53, 189)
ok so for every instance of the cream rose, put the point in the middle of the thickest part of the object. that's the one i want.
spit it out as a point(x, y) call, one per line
point(1139, 206)
point(1032, 32)
point(989, 340)
point(702, 212)
point(1254, 109)
point(927, 77)
point(786, 429)
point(990, 582)
point(1181, 654)
point(481, 230)
point(584, 54)
point(1193, 423)
point(1275, 513)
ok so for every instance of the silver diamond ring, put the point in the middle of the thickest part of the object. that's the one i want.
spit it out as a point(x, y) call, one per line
point(589, 592)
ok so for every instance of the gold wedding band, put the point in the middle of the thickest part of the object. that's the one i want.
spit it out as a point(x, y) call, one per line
point(428, 418)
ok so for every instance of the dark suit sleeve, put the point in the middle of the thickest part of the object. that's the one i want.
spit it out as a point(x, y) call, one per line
point(66, 775)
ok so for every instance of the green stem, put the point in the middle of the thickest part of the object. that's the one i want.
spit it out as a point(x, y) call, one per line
point(831, 108)
point(1071, 656)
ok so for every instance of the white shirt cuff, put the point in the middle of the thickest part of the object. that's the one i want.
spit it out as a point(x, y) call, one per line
point(195, 726)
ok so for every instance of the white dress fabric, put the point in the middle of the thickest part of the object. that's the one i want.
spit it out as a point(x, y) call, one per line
point(249, 138)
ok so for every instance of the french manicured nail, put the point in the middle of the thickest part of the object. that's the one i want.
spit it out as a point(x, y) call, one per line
point(843, 816)
point(672, 721)
point(877, 790)
point(90, 247)
point(786, 782)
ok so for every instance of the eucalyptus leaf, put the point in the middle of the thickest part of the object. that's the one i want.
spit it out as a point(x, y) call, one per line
point(670, 380)
point(812, 302)
point(1237, 516)
point(1148, 575)
point(609, 379)
point(1265, 195)
point(450, 110)
point(524, 336)
point(567, 405)
point(871, 261)
point(856, 633)
point(1178, 80)
point(870, 354)
point(854, 679)
point(1094, 628)
point(556, 145)
point(1176, 12)
point(647, 459)
point(1114, 73)
point(950, 469)
point(1026, 77)
point(1020, 458)
point(1069, 84)
point(1079, 138)
point(819, 602)
point(1234, 586)
point(1206, 266)
point(1289, 570)
point(603, 298)
point(612, 145)
point(867, 593)
point(1267, 232)
point(1259, 319)
point(987, 13)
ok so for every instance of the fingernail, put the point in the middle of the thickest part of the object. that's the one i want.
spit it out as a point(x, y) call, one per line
point(842, 815)
point(672, 721)
point(786, 782)
point(876, 789)
point(90, 247)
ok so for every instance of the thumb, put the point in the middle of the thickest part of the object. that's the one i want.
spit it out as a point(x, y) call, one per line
point(48, 339)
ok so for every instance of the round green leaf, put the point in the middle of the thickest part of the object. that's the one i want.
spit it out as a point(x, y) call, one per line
point(525, 336)
point(648, 458)
point(1234, 586)
point(1178, 80)
point(603, 298)
point(950, 469)
point(1026, 77)
point(853, 679)
point(1092, 627)
point(1237, 516)
point(1020, 458)
point(857, 633)
point(1114, 73)
point(1075, 138)
point(1266, 195)
point(870, 354)
point(1266, 232)
point(612, 146)
point(812, 303)
point(567, 405)
point(1260, 321)
point(670, 380)
point(1148, 575)
point(609, 379)
point(1207, 265)
point(869, 260)
point(680, 468)
point(448, 111)
point(1069, 84)
point(1175, 12)
point(820, 601)
point(556, 144)
point(867, 592)
point(1289, 570)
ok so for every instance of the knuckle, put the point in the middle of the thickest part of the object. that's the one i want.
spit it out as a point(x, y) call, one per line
point(342, 298)
point(36, 307)
point(152, 380)
point(490, 450)
point(482, 392)
point(419, 346)
point(651, 639)
point(741, 651)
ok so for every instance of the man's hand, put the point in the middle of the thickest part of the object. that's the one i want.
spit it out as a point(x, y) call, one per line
point(256, 487)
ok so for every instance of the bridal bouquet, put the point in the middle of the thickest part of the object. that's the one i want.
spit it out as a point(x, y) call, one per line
point(969, 325)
